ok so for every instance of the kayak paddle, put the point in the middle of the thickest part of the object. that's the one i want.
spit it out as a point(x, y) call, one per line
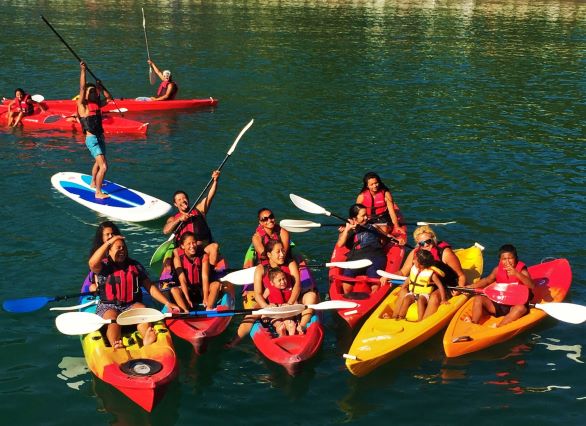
point(152, 78)
point(160, 252)
point(75, 323)
point(293, 225)
point(566, 312)
point(38, 98)
point(30, 304)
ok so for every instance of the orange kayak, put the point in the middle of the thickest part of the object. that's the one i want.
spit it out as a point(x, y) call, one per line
point(552, 279)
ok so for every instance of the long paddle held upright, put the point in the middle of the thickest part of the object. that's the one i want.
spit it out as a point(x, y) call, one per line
point(152, 77)
point(160, 252)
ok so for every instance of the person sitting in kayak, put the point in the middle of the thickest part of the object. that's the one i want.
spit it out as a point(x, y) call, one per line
point(89, 103)
point(277, 258)
point(168, 88)
point(509, 270)
point(378, 200)
point(106, 230)
point(193, 274)
point(268, 229)
point(277, 293)
point(21, 106)
point(120, 279)
point(195, 222)
point(446, 260)
point(366, 241)
point(424, 277)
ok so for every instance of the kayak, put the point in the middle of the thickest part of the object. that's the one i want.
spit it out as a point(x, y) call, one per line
point(142, 373)
point(134, 105)
point(552, 280)
point(47, 120)
point(362, 293)
point(197, 331)
point(382, 338)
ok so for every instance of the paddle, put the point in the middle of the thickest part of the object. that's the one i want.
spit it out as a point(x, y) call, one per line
point(75, 323)
point(429, 223)
point(30, 304)
point(141, 315)
point(152, 78)
point(38, 98)
point(75, 307)
point(246, 276)
point(166, 246)
point(78, 58)
point(566, 312)
point(503, 293)
point(311, 207)
point(293, 225)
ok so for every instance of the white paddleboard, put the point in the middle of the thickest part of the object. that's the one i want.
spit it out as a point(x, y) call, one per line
point(123, 204)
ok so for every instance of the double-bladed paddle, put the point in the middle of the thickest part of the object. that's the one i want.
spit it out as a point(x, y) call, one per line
point(293, 225)
point(159, 253)
point(246, 276)
point(75, 323)
point(152, 78)
point(30, 304)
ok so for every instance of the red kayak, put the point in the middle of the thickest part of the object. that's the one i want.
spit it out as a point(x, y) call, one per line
point(362, 293)
point(47, 120)
point(134, 105)
point(197, 331)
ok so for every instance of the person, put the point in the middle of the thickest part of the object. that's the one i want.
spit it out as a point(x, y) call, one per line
point(106, 230)
point(119, 280)
point(277, 293)
point(89, 114)
point(195, 221)
point(193, 274)
point(21, 106)
point(267, 230)
point(378, 200)
point(366, 241)
point(168, 88)
point(509, 270)
point(446, 260)
point(423, 277)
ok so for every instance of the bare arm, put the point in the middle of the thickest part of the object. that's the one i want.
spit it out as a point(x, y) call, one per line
point(258, 246)
point(408, 264)
point(173, 222)
point(158, 296)
point(285, 239)
point(81, 101)
point(95, 262)
point(294, 270)
point(439, 286)
point(204, 205)
point(181, 276)
point(258, 287)
point(483, 282)
point(156, 69)
point(343, 237)
point(450, 259)
point(391, 208)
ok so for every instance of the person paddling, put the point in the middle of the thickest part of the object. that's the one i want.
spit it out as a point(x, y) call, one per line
point(89, 103)
point(168, 88)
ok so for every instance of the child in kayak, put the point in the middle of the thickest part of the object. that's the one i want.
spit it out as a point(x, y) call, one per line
point(509, 270)
point(21, 106)
point(423, 279)
point(278, 293)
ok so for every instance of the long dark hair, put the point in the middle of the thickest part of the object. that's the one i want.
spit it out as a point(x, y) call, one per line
point(354, 210)
point(98, 236)
point(372, 175)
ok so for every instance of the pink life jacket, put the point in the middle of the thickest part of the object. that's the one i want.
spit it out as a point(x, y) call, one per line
point(503, 277)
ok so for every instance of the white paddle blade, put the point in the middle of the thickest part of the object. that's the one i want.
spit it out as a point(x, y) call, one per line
point(334, 304)
point(352, 264)
point(140, 315)
point(119, 110)
point(284, 311)
point(566, 312)
point(242, 277)
point(38, 98)
point(76, 307)
point(436, 223)
point(390, 276)
point(76, 323)
point(233, 147)
point(152, 76)
point(293, 223)
point(307, 206)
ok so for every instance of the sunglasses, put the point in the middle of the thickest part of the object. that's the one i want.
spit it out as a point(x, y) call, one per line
point(422, 243)
point(264, 219)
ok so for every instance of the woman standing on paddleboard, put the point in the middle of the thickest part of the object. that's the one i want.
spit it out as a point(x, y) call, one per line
point(90, 117)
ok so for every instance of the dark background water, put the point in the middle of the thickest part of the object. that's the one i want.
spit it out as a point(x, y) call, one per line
point(470, 111)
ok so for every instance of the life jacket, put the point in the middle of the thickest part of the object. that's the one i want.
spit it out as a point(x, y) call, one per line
point(198, 225)
point(450, 277)
point(366, 237)
point(120, 284)
point(265, 238)
point(21, 105)
point(276, 295)
point(420, 280)
point(376, 207)
point(93, 122)
point(163, 89)
point(191, 268)
point(503, 277)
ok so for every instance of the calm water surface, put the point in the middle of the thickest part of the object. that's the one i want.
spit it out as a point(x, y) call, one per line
point(470, 111)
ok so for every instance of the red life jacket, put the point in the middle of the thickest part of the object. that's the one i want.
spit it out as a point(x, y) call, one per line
point(198, 225)
point(192, 269)
point(503, 277)
point(265, 238)
point(276, 295)
point(375, 206)
point(437, 251)
point(21, 105)
point(120, 284)
point(163, 89)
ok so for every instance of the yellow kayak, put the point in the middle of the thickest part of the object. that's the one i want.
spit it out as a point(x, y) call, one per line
point(382, 338)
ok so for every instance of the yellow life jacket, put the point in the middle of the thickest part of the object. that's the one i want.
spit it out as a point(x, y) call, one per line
point(420, 281)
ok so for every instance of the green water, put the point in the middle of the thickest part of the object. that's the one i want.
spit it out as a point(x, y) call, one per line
point(470, 111)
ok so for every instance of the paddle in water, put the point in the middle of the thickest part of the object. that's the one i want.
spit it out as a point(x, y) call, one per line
point(159, 254)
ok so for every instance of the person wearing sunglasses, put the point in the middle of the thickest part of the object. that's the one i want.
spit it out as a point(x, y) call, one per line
point(378, 200)
point(268, 229)
point(426, 239)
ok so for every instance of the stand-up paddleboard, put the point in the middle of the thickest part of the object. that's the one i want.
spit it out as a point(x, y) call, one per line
point(123, 204)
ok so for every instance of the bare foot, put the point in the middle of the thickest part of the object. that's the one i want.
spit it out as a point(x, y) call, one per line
point(300, 329)
point(281, 329)
point(149, 336)
point(290, 325)
point(92, 184)
point(101, 195)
